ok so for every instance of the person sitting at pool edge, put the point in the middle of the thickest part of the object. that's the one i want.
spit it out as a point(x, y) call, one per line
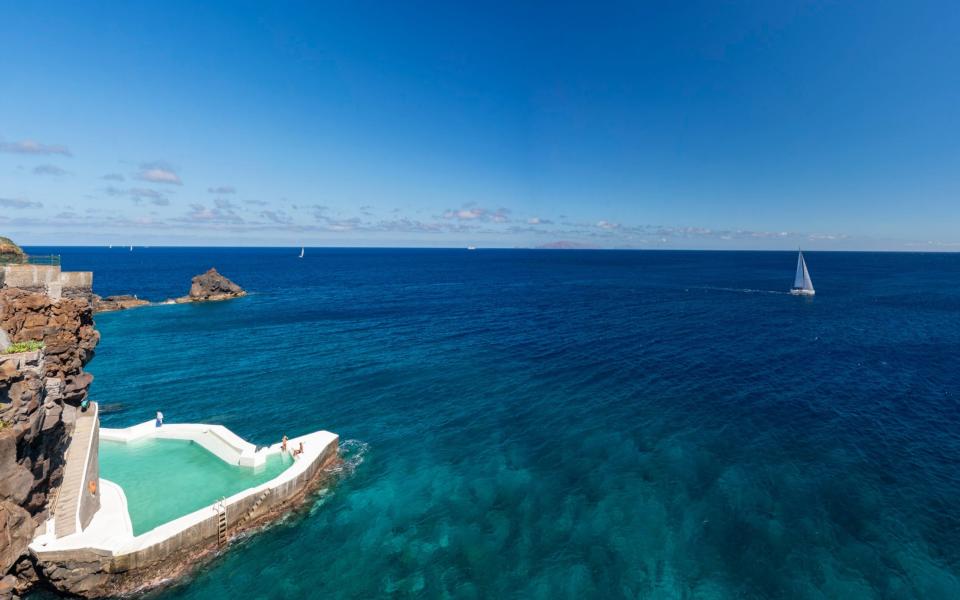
point(159, 418)
point(283, 445)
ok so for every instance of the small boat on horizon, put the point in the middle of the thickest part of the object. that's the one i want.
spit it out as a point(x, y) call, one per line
point(131, 248)
point(471, 247)
point(301, 251)
point(802, 285)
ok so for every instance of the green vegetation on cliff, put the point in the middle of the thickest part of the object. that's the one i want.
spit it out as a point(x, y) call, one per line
point(10, 252)
point(29, 346)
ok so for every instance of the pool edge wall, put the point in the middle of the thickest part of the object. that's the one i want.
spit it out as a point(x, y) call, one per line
point(90, 498)
point(216, 439)
point(94, 572)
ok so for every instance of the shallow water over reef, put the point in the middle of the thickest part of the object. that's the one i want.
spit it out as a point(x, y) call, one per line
point(539, 424)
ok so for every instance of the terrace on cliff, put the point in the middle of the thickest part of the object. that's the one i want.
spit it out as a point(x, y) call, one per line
point(41, 273)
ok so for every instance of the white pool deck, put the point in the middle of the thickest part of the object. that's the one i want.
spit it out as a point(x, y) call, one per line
point(111, 531)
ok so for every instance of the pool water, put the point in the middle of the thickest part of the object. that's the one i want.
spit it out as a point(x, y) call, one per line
point(166, 479)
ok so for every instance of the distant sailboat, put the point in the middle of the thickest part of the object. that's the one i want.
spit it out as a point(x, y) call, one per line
point(131, 248)
point(471, 247)
point(802, 286)
point(301, 252)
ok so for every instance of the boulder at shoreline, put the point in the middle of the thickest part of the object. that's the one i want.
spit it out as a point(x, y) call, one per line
point(211, 286)
point(122, 302)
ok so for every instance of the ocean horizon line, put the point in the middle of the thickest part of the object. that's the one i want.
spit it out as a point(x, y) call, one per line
point(503, 248)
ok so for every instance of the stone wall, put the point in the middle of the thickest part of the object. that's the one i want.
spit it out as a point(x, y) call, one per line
point(38, 395)
point(31, 277)
point(76, 280)
point(48, 279)
point(90, 498)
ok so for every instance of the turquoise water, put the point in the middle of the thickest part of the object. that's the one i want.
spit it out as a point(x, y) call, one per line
point(166, 479)
point(574, 424)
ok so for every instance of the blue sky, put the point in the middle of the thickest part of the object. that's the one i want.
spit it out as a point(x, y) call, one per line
point(829, 125)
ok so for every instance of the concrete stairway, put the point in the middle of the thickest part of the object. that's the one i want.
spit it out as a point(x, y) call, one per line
point(68, 498)
point(253, 509)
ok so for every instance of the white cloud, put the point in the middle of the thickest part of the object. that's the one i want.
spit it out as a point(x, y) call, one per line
point(48, 170)
point(140, 195)
point(827, 236)
point(477, 214)
point(34, 147)
point(538, 221)
point(158, 172)
point(220, 214)
point(464, 214)
point(19, 203)
point(276, 216)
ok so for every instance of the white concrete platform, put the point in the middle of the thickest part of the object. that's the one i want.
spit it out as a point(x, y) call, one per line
point(111, 532)
point(217, 439)
point(110, 526)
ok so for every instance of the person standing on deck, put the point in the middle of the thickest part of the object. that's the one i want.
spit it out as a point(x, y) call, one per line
point(159, 418)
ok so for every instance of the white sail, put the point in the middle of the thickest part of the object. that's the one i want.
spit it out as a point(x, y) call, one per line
point(802, 281)
point(807, 283)
point(301, 252)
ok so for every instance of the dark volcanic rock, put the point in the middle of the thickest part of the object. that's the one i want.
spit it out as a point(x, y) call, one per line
point(65, 327)
point(16, 531)
point(38, 392)
point(212, 286)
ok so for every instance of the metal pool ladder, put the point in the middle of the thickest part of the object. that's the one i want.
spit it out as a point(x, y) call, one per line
point(221, 509)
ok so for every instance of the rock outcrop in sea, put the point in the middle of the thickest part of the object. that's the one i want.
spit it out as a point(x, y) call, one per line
point(212, 286)
point(112, 303)
point(206, 287)
point(40, 392)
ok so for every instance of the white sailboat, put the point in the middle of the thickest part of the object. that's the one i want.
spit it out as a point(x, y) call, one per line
point(802, 285)
point(301, 252)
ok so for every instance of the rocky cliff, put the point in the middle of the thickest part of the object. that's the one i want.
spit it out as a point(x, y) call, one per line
point(11, 253)
point(39, 395)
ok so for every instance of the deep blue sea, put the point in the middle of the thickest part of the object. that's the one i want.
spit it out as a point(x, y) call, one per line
point(567, 424)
